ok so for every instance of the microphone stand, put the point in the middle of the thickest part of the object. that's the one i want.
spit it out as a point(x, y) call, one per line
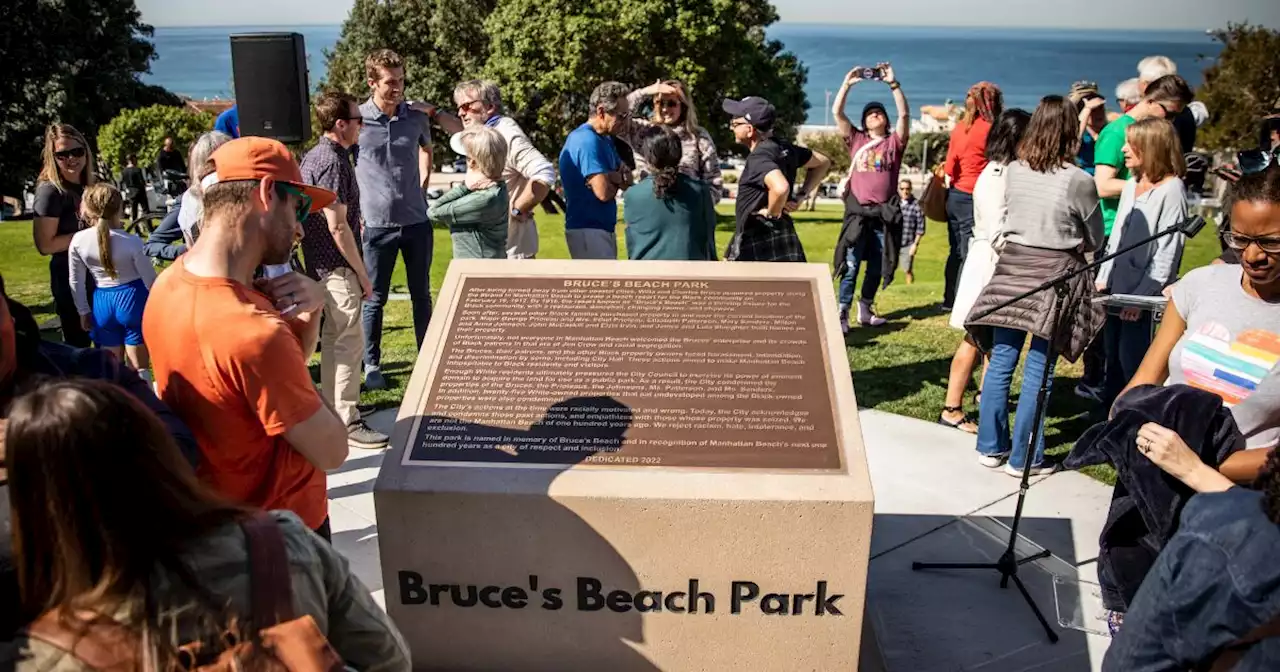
point(1009, 562)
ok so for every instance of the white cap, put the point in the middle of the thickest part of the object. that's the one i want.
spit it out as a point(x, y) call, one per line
point(455, 143)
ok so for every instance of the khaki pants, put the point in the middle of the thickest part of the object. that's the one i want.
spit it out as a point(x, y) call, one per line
point(341, 343)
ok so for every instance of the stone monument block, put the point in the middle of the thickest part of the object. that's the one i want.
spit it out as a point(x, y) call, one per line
point(628, 466)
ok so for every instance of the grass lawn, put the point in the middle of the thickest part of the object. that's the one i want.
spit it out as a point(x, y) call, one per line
point(900, 368)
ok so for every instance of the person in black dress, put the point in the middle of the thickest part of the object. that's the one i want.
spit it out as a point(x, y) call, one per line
point(68, 169)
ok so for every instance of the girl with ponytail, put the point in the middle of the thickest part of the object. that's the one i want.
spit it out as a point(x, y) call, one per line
point(669, 215)
point(122, 272)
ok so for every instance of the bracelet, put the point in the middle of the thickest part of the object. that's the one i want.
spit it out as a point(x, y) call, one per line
point(894, 86)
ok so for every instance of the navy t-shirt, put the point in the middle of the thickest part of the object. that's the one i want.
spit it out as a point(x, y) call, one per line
point(587, 153)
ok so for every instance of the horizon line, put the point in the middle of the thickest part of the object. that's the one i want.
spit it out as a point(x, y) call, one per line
point(778, 23)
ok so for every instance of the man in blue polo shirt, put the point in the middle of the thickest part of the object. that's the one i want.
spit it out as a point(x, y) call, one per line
point(593, 174)
point(393, 166)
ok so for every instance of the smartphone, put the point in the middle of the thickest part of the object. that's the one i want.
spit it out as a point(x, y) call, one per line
point(872, 73)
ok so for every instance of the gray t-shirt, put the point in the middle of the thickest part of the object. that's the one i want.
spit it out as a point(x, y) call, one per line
point(1230, 348)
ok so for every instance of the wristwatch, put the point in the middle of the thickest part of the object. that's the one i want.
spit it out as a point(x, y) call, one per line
point(515, 212)
point(894, 85)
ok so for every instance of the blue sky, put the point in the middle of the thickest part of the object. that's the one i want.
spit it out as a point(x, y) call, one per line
point(1120, 14)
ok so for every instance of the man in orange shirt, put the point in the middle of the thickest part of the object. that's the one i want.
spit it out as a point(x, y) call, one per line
point(230, 353)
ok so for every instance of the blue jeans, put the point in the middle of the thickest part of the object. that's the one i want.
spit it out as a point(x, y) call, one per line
point(993, 413)
point(381, 245)
point(868, 247)
point(959, 236)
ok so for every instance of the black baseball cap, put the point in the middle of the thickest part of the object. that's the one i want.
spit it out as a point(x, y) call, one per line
point(872, 107)
point(757, 111)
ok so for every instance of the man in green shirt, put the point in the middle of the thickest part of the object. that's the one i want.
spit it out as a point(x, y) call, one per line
point(1165, 98)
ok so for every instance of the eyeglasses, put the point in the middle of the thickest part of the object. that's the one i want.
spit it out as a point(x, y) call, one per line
point(304, 201)
point(1256, 160)
point(1241, 243)
point(735, 124)
point(74, 153)
point(469, 103)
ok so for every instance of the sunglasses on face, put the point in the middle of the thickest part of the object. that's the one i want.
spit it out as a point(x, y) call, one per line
point(304, 201)
point(1241, 243)
point(359, 120)
point(670, 104)
point(74, 153)
point(1256, 160)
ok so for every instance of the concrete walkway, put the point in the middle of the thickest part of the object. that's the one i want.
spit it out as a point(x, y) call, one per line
point(933, 503)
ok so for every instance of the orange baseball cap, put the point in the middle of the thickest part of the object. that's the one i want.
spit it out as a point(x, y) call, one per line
point(254, 158)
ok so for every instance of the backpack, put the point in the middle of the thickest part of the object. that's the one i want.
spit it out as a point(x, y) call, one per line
point(283, 642)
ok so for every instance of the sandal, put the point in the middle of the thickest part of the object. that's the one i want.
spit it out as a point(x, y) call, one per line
point(964, 424)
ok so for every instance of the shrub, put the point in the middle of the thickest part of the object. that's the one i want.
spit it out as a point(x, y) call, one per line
point(142, 132)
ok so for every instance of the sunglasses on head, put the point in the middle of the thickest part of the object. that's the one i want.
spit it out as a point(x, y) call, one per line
point(304, 201)
point(74, 153)
point(1256, 160)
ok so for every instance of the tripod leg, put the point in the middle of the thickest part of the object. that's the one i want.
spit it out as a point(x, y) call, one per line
point(1032, 558)
point(1053, 636)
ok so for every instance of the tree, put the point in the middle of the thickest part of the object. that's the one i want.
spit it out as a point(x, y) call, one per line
point(1241, 87)
point(442, 42)
point(833, 146)
point(548, 55)
point(74, 61)
point(937, 144)
point(142, 132)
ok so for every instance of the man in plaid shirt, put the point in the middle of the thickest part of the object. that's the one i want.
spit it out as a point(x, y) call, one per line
point(765, 200)
point(912, 225)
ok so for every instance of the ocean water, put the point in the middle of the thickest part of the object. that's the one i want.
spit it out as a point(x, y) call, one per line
point(933, 64)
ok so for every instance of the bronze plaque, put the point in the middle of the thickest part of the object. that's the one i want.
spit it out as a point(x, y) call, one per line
point(632, 372)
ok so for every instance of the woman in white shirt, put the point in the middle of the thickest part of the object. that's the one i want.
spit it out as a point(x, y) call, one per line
point(989, 211)
point(1154, 200)
point(122, 272)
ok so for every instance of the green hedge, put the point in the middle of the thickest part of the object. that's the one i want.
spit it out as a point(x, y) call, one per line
point(142, 132)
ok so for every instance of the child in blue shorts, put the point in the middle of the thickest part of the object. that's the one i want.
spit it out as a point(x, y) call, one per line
point(122, 272)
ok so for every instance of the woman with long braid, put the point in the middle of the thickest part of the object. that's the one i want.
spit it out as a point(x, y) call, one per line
point(122, 272)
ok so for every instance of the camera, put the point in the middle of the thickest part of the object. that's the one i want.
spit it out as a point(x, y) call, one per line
point(872, 73)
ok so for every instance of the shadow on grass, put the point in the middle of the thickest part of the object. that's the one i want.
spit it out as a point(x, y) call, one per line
point(888, 384)
point(861, 336)
point(916, 313)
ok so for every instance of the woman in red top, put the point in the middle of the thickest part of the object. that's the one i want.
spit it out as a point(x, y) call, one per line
point(966, 157)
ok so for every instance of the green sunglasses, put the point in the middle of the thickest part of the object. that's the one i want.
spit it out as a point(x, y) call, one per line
point(304, 201)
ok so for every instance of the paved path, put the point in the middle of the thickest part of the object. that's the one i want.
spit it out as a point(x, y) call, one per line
point(933, 503)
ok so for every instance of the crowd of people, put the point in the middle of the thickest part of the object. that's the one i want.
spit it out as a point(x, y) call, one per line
point(167, 477)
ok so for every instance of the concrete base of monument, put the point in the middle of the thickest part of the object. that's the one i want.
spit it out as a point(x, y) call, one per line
point(518, 569)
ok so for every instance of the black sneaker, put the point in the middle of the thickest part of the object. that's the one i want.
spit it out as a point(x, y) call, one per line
point(360, 435)
point(373, 380)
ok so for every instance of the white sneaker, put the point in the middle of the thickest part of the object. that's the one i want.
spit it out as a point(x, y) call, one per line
point(992, 461)
point(868, 317)
point(1035, 471)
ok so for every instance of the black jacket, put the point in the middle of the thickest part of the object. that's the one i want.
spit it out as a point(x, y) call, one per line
point(858, 217)
point(1147, 502)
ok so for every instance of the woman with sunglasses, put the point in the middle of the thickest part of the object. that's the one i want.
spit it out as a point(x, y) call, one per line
point(67, 171)
point(1222, 334)
point(673, 109)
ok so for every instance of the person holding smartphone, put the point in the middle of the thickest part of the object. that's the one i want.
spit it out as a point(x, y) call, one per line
point(873, 218)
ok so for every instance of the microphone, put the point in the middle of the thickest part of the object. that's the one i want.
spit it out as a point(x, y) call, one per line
point(1192, 226)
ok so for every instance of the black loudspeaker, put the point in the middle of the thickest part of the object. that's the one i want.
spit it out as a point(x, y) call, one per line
point(272, 90)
